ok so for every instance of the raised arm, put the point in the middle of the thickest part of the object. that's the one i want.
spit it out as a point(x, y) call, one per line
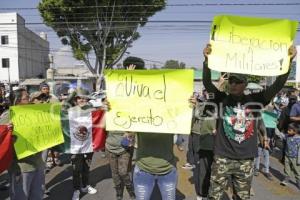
point(280, 80)
point(206, 76)
point(68, 102)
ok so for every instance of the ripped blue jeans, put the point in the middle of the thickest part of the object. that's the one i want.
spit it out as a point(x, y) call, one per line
point(144, 183)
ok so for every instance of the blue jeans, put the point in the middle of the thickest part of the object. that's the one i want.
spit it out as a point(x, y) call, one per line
point(27, 185)
point(144, 183)
point(266, 155)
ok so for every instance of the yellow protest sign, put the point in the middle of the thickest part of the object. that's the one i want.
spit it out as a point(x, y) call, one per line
point(251, 45)
point(37, 127)
point(149, 100)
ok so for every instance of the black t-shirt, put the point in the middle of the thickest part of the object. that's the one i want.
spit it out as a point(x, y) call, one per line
point(236, 136)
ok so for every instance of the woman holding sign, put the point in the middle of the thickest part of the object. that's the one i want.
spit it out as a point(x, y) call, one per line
point(120, 146)
point(27, 174)
point(155, 161)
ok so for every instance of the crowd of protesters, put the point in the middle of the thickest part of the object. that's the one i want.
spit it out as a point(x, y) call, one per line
point(227, 141)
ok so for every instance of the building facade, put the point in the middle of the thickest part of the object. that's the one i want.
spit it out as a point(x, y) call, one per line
point(23, 53)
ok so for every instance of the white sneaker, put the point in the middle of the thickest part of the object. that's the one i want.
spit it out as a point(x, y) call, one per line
point(89, 189)
point(199, 198)
point(76, 195)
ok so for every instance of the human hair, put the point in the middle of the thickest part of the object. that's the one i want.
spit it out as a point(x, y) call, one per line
point(292, 100)
point(138, 62)
point(209, 109)
point(42, 85)
point(295, 126)
point(17, 95)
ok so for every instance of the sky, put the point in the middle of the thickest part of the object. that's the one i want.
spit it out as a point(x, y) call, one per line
point(164, 41)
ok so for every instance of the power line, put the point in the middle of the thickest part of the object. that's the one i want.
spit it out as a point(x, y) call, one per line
point(159, 5)
point(133, 21)
point(167, 12)
point(92, 23)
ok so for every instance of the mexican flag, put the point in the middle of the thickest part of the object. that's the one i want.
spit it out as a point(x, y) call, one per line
point(6, 148)
point(84, 132)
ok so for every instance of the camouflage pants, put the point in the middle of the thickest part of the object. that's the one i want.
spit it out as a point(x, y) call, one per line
point(239, 171)
point(291, 167)
point(120, 167)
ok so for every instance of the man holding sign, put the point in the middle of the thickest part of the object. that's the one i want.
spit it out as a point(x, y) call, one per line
point(236, 137)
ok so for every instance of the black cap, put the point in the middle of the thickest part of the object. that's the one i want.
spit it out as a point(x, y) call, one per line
point(44, 85)
point(241, 77)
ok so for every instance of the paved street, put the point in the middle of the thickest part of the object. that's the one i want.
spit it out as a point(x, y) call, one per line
point(60, 183)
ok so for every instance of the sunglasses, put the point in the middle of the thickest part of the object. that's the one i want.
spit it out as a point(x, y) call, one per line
point(232, 80)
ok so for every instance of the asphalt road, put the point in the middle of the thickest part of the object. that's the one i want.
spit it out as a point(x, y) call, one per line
point(59, 182)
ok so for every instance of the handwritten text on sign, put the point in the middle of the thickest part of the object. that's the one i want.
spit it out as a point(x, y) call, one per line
point(149, 100)
point(247, 45)
point(37, 127)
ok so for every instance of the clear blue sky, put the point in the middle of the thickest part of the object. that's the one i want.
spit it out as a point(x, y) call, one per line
point(179, 41)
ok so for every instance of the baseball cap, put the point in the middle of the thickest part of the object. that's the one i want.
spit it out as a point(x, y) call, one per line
point(82, 93)
point(240, 77)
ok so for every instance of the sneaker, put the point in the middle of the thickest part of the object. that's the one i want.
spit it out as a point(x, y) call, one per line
point(256, 172)
point(76, 195)
point(269, 176)
point(199, 198)
point(187, 166)
point(285, 181)
point(89, 189)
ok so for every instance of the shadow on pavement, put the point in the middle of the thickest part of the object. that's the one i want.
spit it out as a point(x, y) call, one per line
point(99, 174)
point(63, 175)
point(276, 173)
point(64, 188)
point(62, 182)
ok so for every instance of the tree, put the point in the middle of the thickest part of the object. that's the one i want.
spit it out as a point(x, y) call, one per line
point(103, 28)
point(173, 64)
point(254, 79)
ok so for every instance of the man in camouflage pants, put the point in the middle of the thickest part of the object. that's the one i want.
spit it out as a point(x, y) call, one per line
point(237, 136)
point(241, 170)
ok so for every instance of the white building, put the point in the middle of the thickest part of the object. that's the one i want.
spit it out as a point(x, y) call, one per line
point(23, 53)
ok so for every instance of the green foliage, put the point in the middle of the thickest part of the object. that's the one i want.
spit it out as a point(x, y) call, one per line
point(291, 84)
point(103, 27)
point(173, 64)
point(254, 79)
point(138, 62)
